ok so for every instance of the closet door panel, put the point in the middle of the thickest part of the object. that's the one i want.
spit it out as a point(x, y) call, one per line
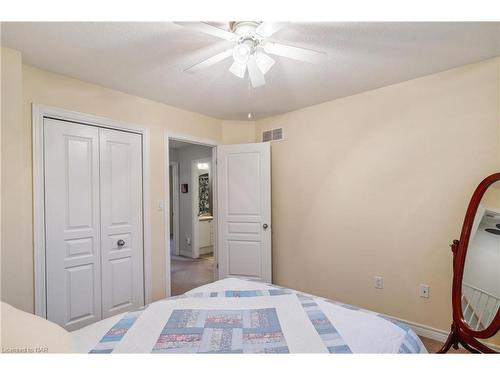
point(72, 223)
point(121, 221)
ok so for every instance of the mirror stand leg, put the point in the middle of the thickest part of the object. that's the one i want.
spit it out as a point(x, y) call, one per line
point(452, 340)
point(469, 348)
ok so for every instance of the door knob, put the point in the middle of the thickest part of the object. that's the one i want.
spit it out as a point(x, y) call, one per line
point(264, 226)
point(120, 243)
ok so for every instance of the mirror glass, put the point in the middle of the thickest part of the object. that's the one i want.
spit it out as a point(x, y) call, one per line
point(203, 174)
point(481, 279)
point(204, 192)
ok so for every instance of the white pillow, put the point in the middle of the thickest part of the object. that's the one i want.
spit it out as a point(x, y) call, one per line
point(22, 332)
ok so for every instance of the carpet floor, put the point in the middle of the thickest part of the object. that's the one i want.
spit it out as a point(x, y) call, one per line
point(433, 346)
point(188, 273)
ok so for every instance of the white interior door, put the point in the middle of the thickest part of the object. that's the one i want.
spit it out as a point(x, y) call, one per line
point(121, 221)
point(72, 223)
point(244, 211)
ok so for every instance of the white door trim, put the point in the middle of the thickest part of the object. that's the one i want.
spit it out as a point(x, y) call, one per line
point(39, 112)
point(166, 193)
point(214, 212)
point(175, 200)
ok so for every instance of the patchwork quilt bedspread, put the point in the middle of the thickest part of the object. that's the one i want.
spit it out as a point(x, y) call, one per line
point(240, 316)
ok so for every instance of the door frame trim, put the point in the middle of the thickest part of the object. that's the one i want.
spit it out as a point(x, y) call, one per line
point(166, 194)
point(175, 200)
point(38, 113)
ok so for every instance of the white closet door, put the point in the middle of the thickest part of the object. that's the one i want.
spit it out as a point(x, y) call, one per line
point(244, 211)
point(71, 163)
point(121, 221)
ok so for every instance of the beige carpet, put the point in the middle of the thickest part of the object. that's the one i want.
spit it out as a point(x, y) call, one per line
point(188, 273)
point(433, 346)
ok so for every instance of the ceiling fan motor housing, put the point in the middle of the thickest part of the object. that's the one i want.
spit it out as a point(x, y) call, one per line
point(244, 28)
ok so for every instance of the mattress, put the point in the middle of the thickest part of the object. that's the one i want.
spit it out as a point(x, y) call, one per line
point(242, 316)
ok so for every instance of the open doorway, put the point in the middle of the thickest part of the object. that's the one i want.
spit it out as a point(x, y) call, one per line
point(191, 214)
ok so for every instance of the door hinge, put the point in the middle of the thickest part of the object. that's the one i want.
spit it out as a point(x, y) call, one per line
point(217, 266)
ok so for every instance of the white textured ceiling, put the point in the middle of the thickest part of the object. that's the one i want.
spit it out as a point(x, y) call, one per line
point(148, 59)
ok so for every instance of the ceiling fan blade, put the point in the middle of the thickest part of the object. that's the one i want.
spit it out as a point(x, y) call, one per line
point(256, 77)
point(210, 61)
point(209, 29)
point(296, 53)
point(266, 29)
point(238, 69)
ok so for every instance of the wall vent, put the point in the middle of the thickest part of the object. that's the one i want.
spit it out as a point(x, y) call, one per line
point(278, 134)
point(267, 136)
point(272, 135)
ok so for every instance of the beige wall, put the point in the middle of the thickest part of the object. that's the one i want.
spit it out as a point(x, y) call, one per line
point(491, 198)
point(42, 87)
point(16, 236)
point(238, 132)
point(377, 184)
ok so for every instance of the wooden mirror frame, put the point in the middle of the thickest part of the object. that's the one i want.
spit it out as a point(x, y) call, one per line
point(460, 332)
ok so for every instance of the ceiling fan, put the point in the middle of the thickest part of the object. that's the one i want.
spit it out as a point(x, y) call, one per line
point(252, 48)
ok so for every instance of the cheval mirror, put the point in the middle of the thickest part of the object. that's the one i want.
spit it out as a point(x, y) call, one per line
point(476, 274)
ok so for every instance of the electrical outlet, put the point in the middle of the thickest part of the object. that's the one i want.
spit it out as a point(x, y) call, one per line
point(424, 291)
point(379, 282)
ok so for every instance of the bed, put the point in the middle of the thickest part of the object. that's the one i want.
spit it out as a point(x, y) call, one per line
point(242, 316)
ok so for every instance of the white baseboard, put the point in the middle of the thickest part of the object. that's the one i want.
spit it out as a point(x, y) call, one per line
point(186, 253)
point(431, 332)
point(206, 250)
point(425, 331)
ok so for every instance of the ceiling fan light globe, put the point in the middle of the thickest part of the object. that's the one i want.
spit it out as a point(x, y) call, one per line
point(238, 69)
point(241, 53)
point(264, 61)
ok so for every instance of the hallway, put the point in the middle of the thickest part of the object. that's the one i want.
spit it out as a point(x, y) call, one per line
point(188, 273)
